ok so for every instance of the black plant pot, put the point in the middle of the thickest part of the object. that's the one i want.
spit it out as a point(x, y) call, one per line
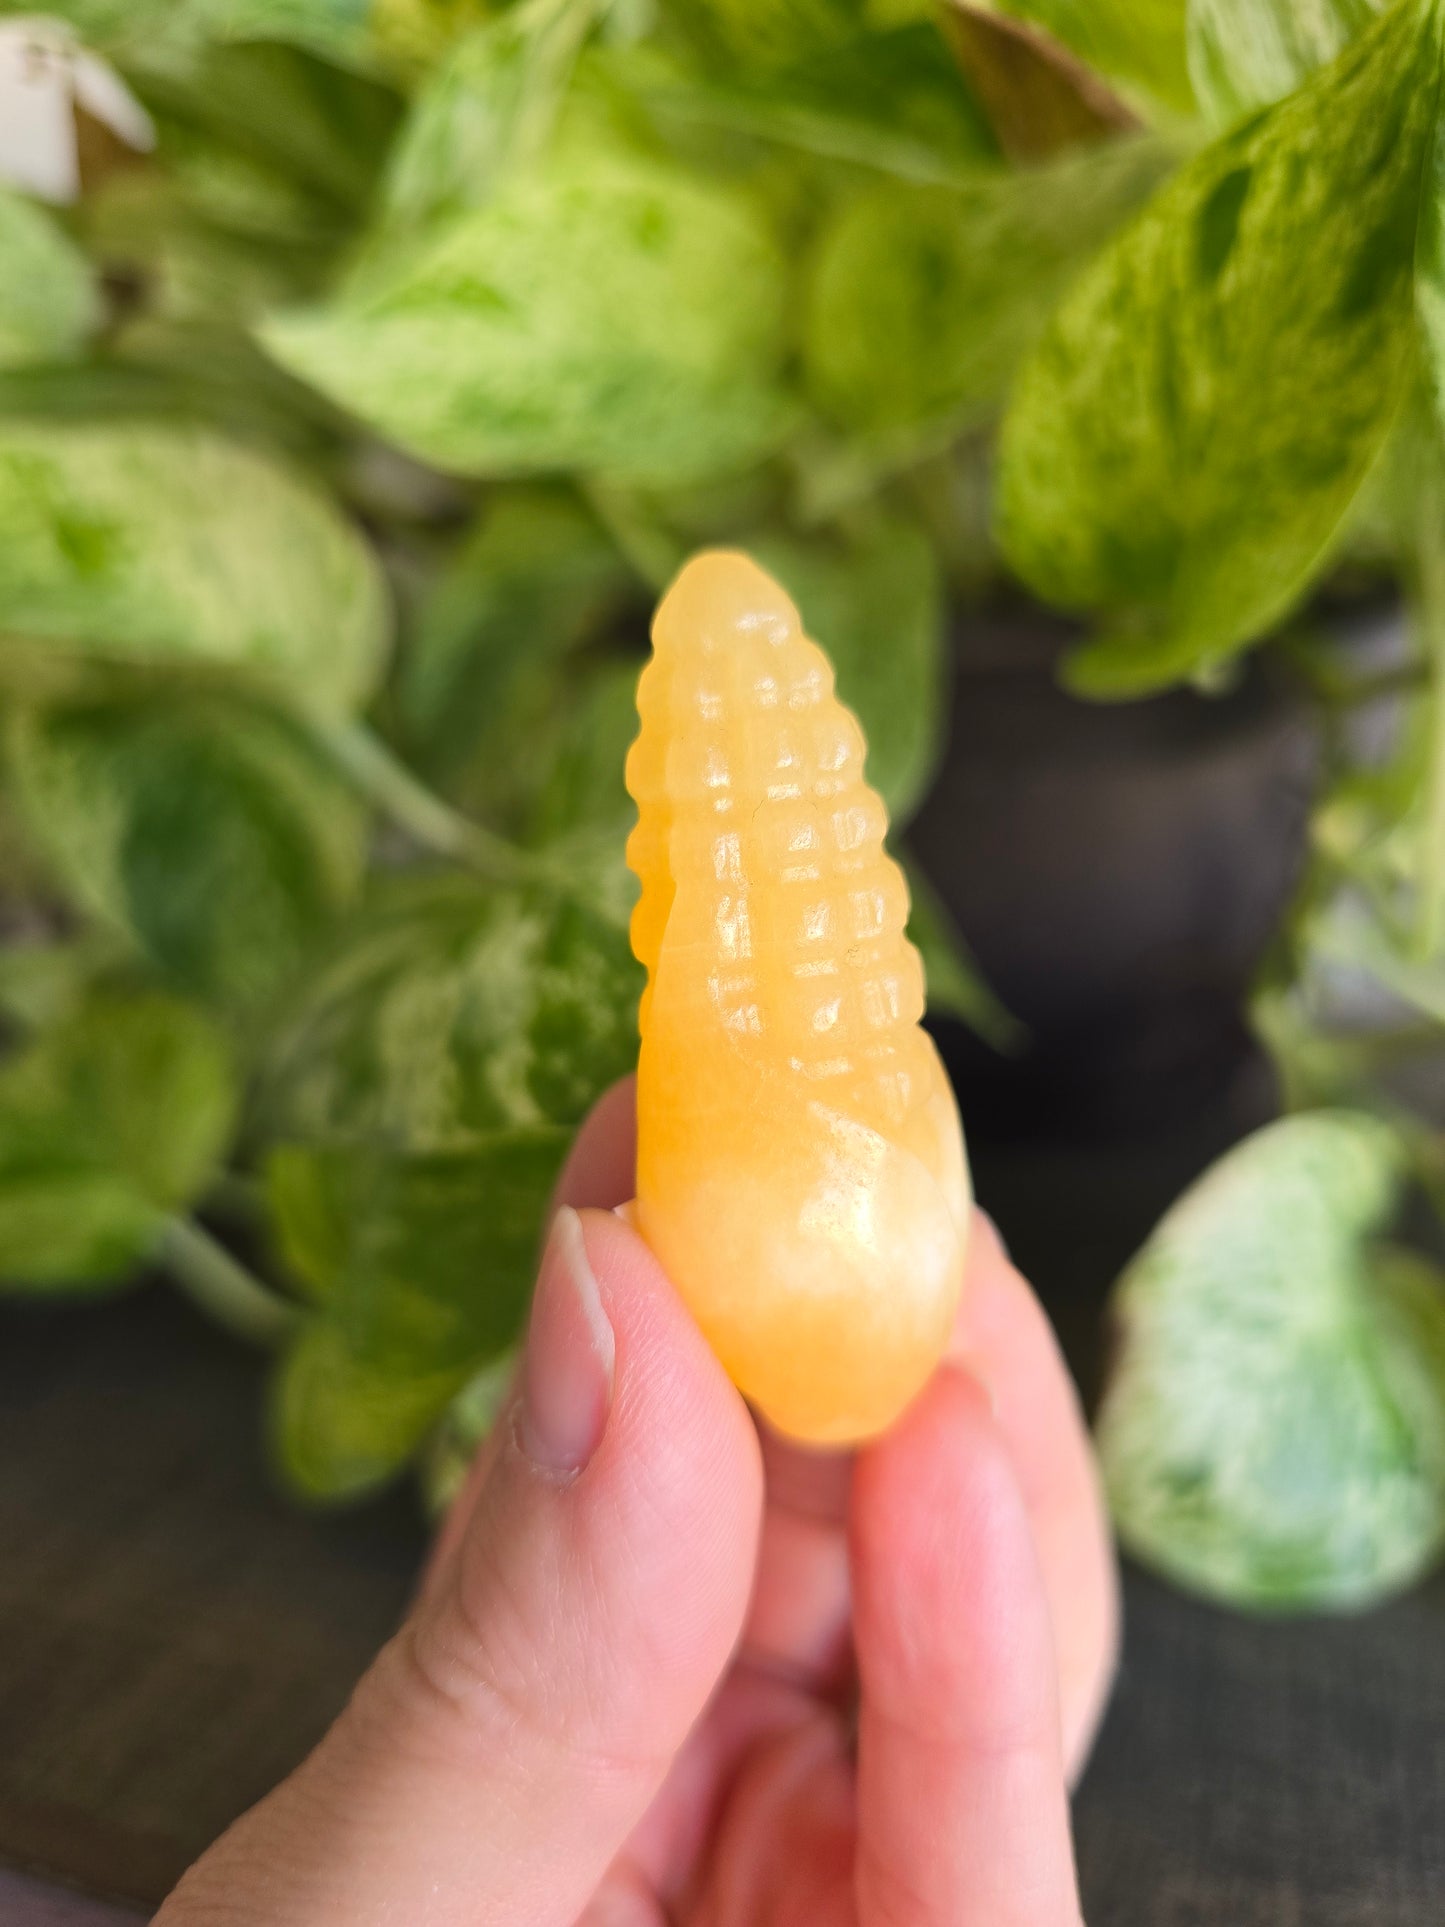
point(1119, 870)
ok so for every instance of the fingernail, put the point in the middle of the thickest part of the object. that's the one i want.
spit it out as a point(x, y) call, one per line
point(992, 1224)
point(567, 1372)
point(627, 1212)
point(966, 1366)
point(614, 1908)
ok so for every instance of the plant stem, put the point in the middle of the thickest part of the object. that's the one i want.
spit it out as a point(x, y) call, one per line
point(1430, 593)
point(1409, 678)
point(232, 1195)
point(222, 1286)
point(391, 788)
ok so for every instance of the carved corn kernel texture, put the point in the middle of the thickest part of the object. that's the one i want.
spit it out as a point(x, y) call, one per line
point(800, 1165)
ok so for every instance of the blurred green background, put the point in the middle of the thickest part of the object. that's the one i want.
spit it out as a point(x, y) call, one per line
point(367, 367)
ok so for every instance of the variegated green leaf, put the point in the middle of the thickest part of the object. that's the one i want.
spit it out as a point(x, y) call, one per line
point(477, 352)
point(109, 1121)
point(483, 665)
point(488, 107)
point(922, 301)
point(1191, 431)
point(132, 545)
point(455, 1010)
point(48, 300)
point(425, 1274)
point(1273, 1434)
point(209, 829)
point(1243, 54)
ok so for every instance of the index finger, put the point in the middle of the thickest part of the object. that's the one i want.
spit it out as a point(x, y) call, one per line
point(597, 1174)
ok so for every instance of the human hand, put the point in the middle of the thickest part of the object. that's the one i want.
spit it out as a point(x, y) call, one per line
point(664, 1670)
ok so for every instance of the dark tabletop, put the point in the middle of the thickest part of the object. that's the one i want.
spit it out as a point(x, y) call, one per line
point(174, 1634)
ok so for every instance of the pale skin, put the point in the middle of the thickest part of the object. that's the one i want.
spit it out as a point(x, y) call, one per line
point(667, 1671)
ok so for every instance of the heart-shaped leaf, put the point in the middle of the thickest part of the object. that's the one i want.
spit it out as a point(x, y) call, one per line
point(48, 301)
point(1273, 1434)
point(454, 1011)
point(109, 1121)
point(425, 1267)
point(475, 349)
point(208, 829)
point(133, 545)
point(923, 300)
point(1191, 431)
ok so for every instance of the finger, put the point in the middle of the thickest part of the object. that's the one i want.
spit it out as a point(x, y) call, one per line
point(962, 1812)
point(798, 1625)
point(784, 1850)
point(1006, 1341)
point(598, 1173)
point(601, 1168)
point(804, 1479)
point(625, 1899)
point(748, 1713)
point(493, 1762)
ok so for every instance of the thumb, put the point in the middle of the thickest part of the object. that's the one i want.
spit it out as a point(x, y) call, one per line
point(497, 1755)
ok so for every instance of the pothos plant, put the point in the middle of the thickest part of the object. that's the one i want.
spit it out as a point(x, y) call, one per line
point(365, 368)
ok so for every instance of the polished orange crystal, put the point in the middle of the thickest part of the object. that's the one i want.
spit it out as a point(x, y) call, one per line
point(800, 1166)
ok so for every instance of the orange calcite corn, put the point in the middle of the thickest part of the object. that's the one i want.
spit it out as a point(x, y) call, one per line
point(800, 1167)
